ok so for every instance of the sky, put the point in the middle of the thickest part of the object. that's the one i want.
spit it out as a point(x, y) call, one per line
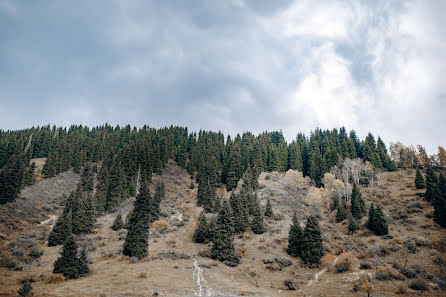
point(230, 66)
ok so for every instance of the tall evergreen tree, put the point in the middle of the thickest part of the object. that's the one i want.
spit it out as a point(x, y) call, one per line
point(312, 250)
point(295, 240)
point(234, 168)
point(202, 232)
point(377, 221)
point(352, 226)
point(257, 225)
point(317, 168)
point(431, 184)
point(419, 180)
point(82, 212)
point(223, 247)
point(340, 214)
point(357, 203)
point(68, 263)
point(61, 230)
point(439, 202)
point(269, 210)
point(136, 243)
point(239, 213)
point(380, 223)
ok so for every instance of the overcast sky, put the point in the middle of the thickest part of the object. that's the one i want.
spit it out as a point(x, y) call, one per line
point(233, 66)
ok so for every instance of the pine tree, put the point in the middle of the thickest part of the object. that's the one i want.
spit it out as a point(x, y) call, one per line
point(155, 202)
point(431, 184)
point(312, 250)
point(83, 262)
point(61, 230)
point(202, 232)
point(217, 205)
point(223, 247)
point(295, 238)
point(136, 243)
point(191, 186)
point(358, 204)
point(234, 168)
point(257, 225)
point(380, 223)
point(317, 166)
point(238, 212)
point(118, 224)
point(68, 263)
point(340, 214)
point(371, 221)
point(82, 213)
point(352, 226)
point(377, 221)
point(439, 202)
point(269, 210)
point(419, 180)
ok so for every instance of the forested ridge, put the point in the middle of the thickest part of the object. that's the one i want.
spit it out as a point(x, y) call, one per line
point(126, 152)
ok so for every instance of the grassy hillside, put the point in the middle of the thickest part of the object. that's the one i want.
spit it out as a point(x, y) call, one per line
point(177, 266)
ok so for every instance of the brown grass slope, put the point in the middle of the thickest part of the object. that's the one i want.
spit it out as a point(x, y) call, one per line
point(169, 269)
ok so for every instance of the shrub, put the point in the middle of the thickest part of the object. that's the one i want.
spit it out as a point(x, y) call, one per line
point(344, 266)
point(26, 289)
point(290, 284)
point(383, 275)
point(419, 285)
point(409, 273)
point(365, 265)
point(35, 253)
point(410, 245)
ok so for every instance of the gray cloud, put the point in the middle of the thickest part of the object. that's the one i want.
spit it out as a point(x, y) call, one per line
point(227, 65)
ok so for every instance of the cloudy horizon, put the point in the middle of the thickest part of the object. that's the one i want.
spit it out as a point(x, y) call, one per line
point(229, 66)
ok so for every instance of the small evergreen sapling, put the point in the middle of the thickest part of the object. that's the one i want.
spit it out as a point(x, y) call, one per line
point(118, 224)
point(269, 210)
point(340, 214)
point(419, 180)
point(202, 232)
point(352, 226)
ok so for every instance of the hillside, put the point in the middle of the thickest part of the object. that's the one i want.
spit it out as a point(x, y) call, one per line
point(177, 266)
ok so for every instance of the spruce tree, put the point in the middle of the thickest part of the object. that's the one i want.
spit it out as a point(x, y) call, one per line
point(68, 263)
point(82, 213)
point(439, 202)
point(217, 205)
point(202, 232)
point(340, 214)
point(371, 221)
point(357, 203)
point(234, 167)
point(118, 223)
point(312, 250)
point(223, 247)
point(352, 226)
point(431, 184)
point(83, 262)
point(155, 202)
point(419, 180)
point(380, 223)
point(257, 225)
point(269, 210)
point(295, 238)
point(136, 243)
point(61, 230)
point(238, 212)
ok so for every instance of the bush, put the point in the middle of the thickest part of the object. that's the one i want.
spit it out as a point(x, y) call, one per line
point(409, 273)
point(383, 275)
point(410, 245)
point(365, 265)
point(290, 284)
point(419, 285)
point(283, 262)
point(26, 289)
point(418, 268)
point(344, 266)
